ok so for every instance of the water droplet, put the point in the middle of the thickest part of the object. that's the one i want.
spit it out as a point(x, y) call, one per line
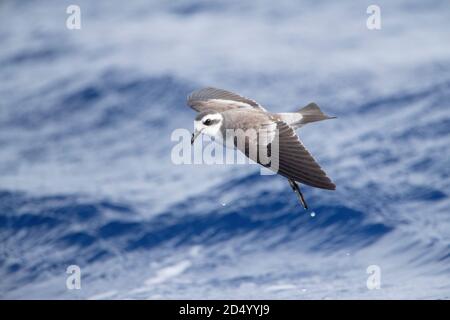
point(313, 214)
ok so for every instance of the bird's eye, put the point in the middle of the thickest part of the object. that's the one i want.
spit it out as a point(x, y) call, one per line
point(207, 122)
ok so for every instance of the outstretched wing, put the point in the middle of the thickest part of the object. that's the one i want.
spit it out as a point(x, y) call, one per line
point(288, 158)
point(219, 100)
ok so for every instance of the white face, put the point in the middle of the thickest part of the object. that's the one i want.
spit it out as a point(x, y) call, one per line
point(210, 124)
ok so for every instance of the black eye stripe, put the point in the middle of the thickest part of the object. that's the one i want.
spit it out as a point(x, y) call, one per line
point(209, 122)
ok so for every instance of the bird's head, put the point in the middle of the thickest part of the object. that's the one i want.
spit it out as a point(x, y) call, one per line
point(207, 122)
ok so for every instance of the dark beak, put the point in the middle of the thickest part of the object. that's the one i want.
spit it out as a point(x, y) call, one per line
point(195, 135)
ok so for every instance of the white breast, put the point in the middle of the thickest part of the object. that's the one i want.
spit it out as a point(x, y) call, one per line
point(228, 142)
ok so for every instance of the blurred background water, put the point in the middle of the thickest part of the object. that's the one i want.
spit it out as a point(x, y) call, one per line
point(86, 176)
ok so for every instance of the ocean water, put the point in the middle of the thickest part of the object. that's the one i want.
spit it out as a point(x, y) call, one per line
point(86, 176)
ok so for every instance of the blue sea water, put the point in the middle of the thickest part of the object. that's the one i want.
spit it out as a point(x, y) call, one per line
point(86, 176)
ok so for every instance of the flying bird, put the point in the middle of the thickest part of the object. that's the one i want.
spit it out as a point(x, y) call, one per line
point(220, 111)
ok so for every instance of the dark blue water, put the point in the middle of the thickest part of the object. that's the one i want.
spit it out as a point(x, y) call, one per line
point(86, 175)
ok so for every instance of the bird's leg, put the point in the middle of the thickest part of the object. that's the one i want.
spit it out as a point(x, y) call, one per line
point(297, 191)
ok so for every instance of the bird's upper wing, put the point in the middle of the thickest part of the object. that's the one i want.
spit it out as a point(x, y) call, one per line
point(289, 156)
point(219, 100)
